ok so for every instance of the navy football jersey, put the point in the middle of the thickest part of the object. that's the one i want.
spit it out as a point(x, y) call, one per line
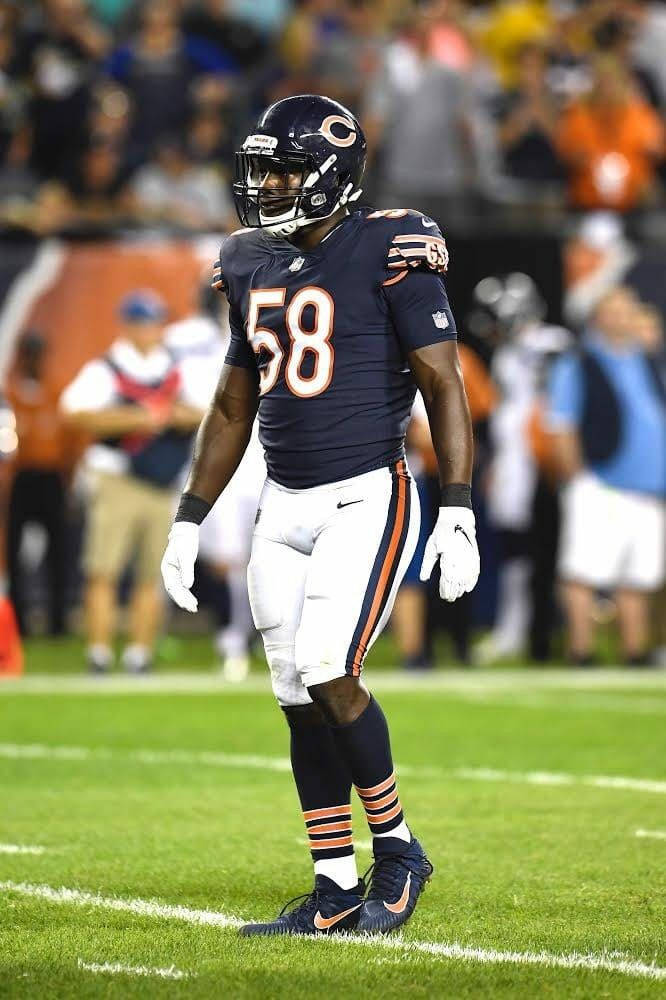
point(329, 331)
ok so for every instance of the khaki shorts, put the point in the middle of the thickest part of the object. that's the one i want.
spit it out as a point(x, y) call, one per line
point(126, 518)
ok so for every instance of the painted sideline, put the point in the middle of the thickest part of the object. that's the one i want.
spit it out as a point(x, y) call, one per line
point(651, 834)
point(21, 849)
point(435, 949)
point(117, 968)
point(479, 682)
point(213, 758)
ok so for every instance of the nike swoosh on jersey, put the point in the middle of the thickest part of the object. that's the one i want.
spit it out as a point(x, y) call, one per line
point(401, 904)
point(347, 504)
point(428, 225)
point(323, 923)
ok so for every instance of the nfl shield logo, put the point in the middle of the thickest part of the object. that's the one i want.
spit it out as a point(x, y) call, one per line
point(440, 319)
point(297, 264)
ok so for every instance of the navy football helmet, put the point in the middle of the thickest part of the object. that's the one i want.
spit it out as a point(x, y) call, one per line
point(316, 147)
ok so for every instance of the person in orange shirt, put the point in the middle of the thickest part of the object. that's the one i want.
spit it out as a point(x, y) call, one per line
point(610, 142)
point(38, 488)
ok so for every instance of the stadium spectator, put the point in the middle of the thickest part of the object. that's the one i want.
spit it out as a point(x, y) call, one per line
point(525, 348)
point(596, 259)
point(508, 28)
point(423, 120)
point(58, 53)
point(226, 534)
point(141, 407)
point(649, 40)
point(528, 116)
point(608, 415)
point(158, 67)
point(176, 190)
point(41, 465)
point(610, 142)
point(219, 23)
point(95, 191)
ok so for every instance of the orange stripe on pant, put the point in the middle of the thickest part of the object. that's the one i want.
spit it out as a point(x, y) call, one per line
point(385, 574)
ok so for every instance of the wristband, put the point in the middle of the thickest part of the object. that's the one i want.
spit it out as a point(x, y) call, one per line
point(192, 508)
point(456, 495)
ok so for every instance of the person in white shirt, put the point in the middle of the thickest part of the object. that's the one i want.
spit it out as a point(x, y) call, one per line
point(226, 534)
point(141, 406)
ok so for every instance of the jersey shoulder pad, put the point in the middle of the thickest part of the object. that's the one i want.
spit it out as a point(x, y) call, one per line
point(239, 255)
point(413, 241)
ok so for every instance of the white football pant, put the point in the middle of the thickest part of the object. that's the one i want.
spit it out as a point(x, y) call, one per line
point(325, 568)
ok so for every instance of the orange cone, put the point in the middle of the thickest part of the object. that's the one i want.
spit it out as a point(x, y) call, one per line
point(11, 651)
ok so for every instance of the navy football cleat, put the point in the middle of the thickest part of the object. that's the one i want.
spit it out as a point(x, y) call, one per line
point(398, 877)
point(328, 909)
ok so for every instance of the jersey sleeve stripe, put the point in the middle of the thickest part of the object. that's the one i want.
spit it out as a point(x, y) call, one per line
point(384, 569)
point(418, 238)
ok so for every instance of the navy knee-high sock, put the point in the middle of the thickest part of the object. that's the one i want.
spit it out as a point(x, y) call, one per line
point(324, 788)
point(366, 747)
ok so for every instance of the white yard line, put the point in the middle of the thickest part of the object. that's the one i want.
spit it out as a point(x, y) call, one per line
point(213, 758)
point(435, 949)
point(651, 834)
point(140, 907)
point(483, 683)
point(21, 849)
point(119, 969)
point(617, 781)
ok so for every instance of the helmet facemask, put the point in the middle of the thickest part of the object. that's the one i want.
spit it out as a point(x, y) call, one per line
point(282, 209)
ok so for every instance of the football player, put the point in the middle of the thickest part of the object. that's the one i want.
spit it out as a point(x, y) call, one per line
point(336, 316)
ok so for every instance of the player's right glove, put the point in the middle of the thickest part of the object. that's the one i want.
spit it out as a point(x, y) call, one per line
point(178, 564)
point(454, 542)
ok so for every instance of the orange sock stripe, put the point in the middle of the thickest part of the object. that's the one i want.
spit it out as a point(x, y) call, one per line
point(320, 845)
point(376, 789)
point(330, 827)
point(328, 812)
point(376, 804)
point(378, 820)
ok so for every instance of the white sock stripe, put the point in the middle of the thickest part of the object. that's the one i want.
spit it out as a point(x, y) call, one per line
point(435, 949)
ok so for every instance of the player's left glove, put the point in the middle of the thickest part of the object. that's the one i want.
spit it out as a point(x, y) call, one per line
point(453, 542)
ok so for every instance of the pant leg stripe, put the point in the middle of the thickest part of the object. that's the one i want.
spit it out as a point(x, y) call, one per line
point(384, 568)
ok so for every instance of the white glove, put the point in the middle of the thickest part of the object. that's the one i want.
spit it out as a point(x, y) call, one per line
point(454, 542)
point(178, 564)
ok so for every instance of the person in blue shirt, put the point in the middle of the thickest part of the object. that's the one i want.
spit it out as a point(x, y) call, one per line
point(607, 411)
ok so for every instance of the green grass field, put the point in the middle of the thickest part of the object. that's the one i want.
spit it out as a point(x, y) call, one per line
point(541, 797)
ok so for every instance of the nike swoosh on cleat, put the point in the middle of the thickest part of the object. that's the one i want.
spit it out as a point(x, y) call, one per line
point(348, 504)
point(401, 904)
point(428, 225)
point(323, 923)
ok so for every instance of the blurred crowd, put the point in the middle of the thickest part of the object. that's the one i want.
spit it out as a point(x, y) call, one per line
point(117, 115)
point(120, 113)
